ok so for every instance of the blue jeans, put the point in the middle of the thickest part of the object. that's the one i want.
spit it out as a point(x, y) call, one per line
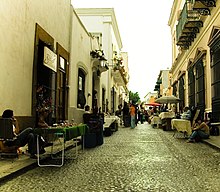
point(199, 134)
point(132, 122)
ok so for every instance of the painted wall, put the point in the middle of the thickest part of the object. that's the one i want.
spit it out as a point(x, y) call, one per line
point(17, 34)
point(81, 45)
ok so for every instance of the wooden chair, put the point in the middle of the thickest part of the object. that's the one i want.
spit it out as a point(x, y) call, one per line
point(195, 117)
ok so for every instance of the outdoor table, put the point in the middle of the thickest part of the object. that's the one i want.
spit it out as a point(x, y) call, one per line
point(109, 120)
point(166, 119)
point(155, 120)
point(165, 115)
point(66, 133)
point(182, 125)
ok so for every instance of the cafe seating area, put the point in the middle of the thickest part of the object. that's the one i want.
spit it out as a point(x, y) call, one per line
point(184, 126)
point(61, 134)
point(181, 126)
point(90, 133)
point(57, 136)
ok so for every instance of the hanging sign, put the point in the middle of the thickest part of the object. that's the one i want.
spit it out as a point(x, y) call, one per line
point(50, 59)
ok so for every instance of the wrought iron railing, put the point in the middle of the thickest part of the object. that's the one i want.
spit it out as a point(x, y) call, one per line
point(185, 16)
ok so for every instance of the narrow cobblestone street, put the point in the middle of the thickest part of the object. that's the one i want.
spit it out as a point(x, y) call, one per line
point(131, 160)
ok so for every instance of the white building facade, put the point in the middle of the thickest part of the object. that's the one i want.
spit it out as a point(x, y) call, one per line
point(112, 85)
point(46, 61)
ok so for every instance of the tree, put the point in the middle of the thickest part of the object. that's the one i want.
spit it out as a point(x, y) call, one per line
point(134, 97)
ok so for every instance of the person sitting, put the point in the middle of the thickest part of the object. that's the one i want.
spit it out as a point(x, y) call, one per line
point(186, 114)
point(200, 131)
point(164, 109)
point(43, 114)
point(87, 109)
point(27, 136)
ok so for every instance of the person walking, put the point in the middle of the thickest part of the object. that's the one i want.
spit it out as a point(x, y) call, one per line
point(132, 114)
point(126, 115)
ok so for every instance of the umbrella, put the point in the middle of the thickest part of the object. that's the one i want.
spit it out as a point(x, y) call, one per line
point(167, 99)
point(153, 104)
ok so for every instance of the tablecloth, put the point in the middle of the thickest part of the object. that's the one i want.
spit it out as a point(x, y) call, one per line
point(69, 132)
point(109, 120)
point(165, 115)
point(155, 120)
point(182, 125)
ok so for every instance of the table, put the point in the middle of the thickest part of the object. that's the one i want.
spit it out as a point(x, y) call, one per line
point(155, 120)
point(108, 120)
point(182, 125)
point(166, 118)
point(65, 133)
point(165, 115)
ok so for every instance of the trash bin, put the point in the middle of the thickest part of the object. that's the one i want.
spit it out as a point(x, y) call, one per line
point(99, 133)
point(94, 135)
point(90, 140)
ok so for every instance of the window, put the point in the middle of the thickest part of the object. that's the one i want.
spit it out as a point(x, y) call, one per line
point(191, 87)
point(81, 99)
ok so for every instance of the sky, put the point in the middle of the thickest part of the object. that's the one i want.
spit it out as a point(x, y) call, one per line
point(145, 35)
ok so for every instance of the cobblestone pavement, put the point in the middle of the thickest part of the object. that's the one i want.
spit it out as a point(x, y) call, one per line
point(131, 160)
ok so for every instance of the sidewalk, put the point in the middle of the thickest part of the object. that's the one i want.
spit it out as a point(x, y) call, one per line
point(9, 167)
point(213, 141)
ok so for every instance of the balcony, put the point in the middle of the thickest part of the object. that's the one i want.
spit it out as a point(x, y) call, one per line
point(120, 76)
point(159, 81)
point(157, 87)
point(191, 20)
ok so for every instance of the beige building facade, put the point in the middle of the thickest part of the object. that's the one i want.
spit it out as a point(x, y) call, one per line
point(195, 27)
point(26, 28)
point(46, 61)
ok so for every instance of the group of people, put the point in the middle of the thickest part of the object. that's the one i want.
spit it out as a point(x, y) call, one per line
point(200, 129)
point(130, 114)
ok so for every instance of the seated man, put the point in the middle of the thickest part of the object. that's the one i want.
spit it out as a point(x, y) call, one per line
point(21, 138)
point(87, 109)
point(200, 131)
point(186, 114)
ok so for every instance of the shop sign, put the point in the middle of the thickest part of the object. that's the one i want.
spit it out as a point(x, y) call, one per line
point(50, 59)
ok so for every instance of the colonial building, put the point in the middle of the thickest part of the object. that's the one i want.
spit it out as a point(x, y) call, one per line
point(112, 85)
point(195, 38)
point(47, 62)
